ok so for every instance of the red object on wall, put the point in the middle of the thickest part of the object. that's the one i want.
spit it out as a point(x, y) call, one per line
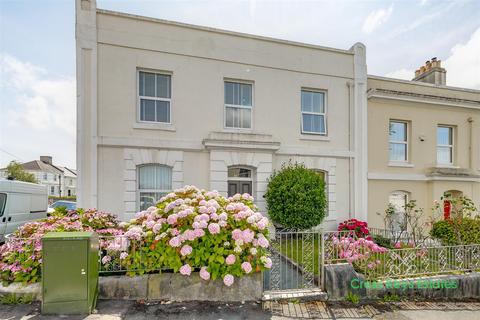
point(447, 208)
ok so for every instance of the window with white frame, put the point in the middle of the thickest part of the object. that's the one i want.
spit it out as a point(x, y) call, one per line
point(398, 200)
point(313, 112)
point(154, 97)
point(154, 181)
point(45, 176)
point(444, 145)
point(238, 105)
point(398, 141)
point(52, 190)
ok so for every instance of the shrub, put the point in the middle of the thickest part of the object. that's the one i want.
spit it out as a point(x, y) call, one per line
point(365, 255)
point(359, 227)
point(195, 229)
point(457, 231)
point(296, 197)
point(21, 256)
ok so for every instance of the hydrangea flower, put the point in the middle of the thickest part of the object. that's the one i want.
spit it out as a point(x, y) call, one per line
point(230, 259)
point(186, 250)
point(228, 280)
point(247, 267)
point(204, 274)
point(186, 270)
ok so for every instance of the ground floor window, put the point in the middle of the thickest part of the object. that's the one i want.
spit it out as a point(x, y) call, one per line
point(398, 200)
point(154, 181)
point(239, 181)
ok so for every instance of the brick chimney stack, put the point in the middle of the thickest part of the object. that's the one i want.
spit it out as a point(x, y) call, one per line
point(432, 72)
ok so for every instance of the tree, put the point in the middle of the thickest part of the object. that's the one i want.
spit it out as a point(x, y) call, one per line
point(15, 171)
point(296, 197)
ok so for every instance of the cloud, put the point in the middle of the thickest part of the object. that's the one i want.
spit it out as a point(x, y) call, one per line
point(376, 18)
point(36, 98)
point(463, 65)
point(415, 23)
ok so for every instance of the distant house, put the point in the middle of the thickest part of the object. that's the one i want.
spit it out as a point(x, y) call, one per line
point(60, 181)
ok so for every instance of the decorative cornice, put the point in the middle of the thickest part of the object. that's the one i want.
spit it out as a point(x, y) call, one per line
point(422, 98)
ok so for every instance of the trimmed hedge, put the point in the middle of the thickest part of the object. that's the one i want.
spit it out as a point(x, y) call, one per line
point(296, 197)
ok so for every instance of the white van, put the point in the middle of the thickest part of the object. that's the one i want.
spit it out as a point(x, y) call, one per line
point(20, 202)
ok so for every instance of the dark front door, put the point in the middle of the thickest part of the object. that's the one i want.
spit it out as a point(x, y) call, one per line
point(241, 187)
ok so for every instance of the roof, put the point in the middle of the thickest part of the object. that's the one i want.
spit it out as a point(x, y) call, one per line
point(37, 165)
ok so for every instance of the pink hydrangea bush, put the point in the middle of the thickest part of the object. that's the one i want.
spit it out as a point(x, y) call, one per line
point(365, 255)
point(21, 256)
point(192, 229)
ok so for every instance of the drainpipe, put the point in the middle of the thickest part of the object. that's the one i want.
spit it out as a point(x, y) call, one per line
point(351, 141)
point(470, 146)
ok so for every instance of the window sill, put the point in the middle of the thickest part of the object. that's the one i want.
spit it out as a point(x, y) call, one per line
point(447, 166)
point(314, 137)
point(401, 164)
point(154, 126)
point(237, 130)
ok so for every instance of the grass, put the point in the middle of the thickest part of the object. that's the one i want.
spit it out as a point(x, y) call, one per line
point(14, 299)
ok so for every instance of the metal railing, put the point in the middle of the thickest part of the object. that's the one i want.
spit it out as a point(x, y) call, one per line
point(421, 261)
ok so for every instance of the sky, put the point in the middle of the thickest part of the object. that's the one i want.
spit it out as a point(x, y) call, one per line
point(37, 50)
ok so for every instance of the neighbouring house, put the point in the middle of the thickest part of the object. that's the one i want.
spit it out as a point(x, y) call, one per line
point(60, 181)
point(424, 141)
point(162, 104)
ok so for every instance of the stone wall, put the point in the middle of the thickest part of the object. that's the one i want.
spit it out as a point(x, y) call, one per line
point(165, 286)
point(339, 277)
point(175, 287)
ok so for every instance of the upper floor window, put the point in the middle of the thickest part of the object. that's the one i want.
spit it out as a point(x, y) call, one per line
point(313, 112)
point(444, 145)
point(154, 181)
point(154, 97)
point(398, 140)
point(45, 176)
point(238, 105)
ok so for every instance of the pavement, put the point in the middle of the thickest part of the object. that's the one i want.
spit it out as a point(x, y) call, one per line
point(117, 309)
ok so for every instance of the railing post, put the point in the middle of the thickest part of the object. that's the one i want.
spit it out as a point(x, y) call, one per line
point(322, 260)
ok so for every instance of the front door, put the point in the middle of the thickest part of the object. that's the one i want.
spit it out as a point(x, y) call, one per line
point(241, 187)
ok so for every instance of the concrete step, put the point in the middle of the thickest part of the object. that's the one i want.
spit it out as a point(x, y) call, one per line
point(297, 294)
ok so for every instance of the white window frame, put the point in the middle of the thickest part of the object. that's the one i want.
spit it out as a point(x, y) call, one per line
point(451, 146)
point(225, 106)
point(140, 191)
point(406, 142)
point(325, 104)
point(407, 199)
point(139, 97)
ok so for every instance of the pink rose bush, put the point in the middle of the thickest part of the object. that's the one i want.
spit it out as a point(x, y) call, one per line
point(192, 229)
point(21, 256)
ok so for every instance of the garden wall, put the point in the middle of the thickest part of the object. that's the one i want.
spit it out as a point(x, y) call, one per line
point(338, 282)
point(165, 286)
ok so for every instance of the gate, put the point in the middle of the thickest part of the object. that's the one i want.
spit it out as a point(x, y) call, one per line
point(296, 263)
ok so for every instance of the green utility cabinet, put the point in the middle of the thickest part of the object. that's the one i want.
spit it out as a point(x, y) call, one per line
point(69, 272)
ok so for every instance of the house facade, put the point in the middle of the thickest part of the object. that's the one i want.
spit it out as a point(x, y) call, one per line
point(163, 104)
point(424, 143)
point(60, 181)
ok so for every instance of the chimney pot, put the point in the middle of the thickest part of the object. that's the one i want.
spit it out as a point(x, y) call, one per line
point(417, 72)
point(431, 72)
